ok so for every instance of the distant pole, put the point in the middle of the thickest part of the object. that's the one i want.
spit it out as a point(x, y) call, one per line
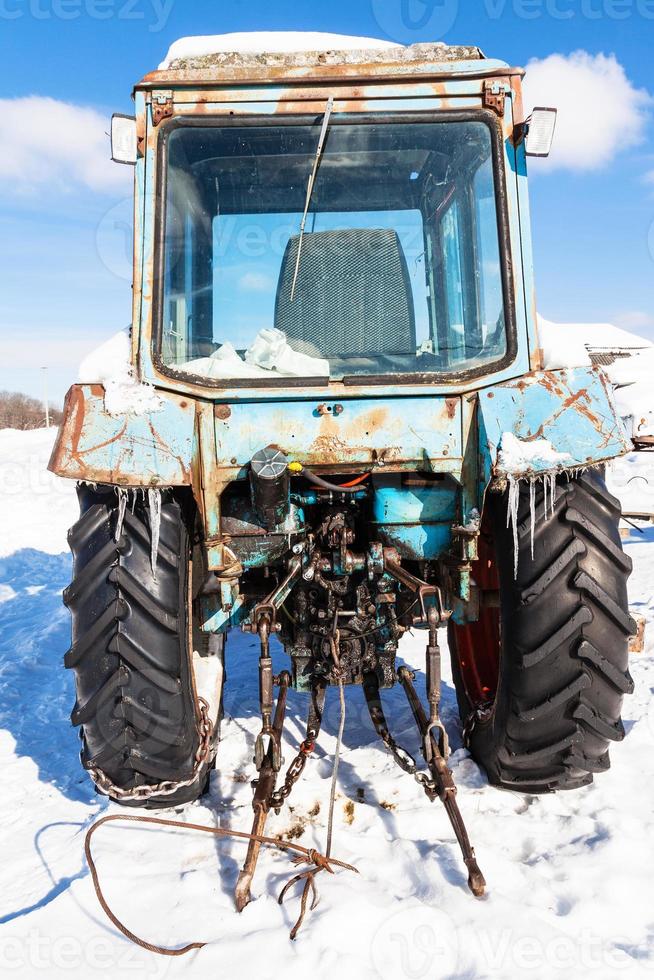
point(45, 397)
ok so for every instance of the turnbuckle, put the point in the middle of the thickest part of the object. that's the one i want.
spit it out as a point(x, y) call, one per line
point(264, 622)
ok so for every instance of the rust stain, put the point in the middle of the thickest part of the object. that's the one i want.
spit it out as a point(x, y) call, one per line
point(77, 413)
point(369, 422)
point(329, 446)
point(162, 445)
point(451, 406)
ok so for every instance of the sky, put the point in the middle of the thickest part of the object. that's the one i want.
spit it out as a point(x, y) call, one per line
point(65, 275)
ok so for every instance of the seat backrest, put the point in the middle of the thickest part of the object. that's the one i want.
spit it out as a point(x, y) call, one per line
point(352, 296)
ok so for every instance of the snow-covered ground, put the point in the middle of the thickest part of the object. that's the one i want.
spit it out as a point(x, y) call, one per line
point(569, 876)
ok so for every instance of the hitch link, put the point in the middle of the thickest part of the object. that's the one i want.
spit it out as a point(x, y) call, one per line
point(264, 788)
point(441, 783)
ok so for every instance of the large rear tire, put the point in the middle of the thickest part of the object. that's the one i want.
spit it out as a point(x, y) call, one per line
point(136, 705)
point(540, 680)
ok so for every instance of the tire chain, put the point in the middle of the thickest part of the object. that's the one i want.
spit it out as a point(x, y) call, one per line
point(168, 787)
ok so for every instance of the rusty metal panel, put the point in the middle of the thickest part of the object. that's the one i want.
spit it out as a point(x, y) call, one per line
point(155, 449)
point(315, 71)
point(366, 432)
point(573, 409)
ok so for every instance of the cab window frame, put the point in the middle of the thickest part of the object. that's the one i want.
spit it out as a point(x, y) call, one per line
point(488, 117)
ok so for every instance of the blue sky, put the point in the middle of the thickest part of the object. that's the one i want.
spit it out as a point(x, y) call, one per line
point(64, 280)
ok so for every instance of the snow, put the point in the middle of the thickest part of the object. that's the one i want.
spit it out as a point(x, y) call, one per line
point(269, 353)
point(569, 875)
point(631, 479)
point(110, 365)
point(608, 337)
point(271, 350)
point(562, 345)
point(567, 345)
point(256, 42)
point(632, 378)
point(517, 457)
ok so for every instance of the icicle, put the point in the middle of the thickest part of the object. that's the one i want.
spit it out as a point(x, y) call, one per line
point(154, 506)
point(512, 517)
point(532, 513)
point(123, 496)
point(552, 479)
point(545, 484)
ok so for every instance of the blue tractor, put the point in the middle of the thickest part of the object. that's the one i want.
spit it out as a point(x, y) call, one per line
point(339, 427)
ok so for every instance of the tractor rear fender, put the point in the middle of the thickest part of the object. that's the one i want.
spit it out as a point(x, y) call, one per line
point(155, 449)
point(572, 409)
point(177, 445)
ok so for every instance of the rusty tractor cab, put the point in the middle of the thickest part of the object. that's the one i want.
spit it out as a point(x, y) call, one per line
point(348, 433)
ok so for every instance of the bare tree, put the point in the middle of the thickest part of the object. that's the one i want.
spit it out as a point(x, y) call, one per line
point(19, 411)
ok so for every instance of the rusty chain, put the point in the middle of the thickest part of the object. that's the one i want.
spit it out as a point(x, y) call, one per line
point(293, 773)
point(296, 768)
point(481, 713)
point(167, 787)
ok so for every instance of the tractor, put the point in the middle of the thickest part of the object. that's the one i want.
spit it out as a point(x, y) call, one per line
point(338, 427)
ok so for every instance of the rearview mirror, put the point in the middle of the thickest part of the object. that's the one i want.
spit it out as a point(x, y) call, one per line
point(123, 138)
point(540, 132)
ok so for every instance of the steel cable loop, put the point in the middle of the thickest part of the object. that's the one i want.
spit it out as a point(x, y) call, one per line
point(311, 855)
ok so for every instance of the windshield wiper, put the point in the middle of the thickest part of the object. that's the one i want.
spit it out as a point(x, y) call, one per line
point(312, 180)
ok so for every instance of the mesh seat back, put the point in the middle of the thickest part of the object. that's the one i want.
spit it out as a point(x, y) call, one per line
point(352, 297)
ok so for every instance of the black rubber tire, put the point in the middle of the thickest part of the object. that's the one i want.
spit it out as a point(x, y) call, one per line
point(136, 704)
point(564, 628)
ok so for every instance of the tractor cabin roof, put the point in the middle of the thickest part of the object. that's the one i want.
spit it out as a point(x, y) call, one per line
point(278, 58)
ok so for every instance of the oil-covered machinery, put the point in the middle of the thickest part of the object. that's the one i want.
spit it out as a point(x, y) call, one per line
point(350, 435)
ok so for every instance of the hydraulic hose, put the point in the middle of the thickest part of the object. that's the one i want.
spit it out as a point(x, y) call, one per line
point(326, 485)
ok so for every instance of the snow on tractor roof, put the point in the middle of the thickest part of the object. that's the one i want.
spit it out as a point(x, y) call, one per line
point(607, 337)
point(299, 48)
point(576, 344)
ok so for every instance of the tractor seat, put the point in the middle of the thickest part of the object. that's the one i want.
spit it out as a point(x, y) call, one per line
point(352, 297)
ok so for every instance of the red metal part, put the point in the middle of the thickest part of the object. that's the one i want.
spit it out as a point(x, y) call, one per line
point(477, 645)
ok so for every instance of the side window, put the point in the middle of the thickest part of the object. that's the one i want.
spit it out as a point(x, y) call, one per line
point(491, 299)
point(472, 303)
point(179, 290)
point(451, 247)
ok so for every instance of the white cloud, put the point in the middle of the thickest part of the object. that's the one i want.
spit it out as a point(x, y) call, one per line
point(600, 112)
point(53, 145)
